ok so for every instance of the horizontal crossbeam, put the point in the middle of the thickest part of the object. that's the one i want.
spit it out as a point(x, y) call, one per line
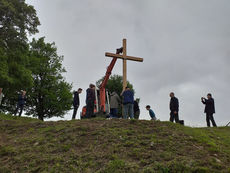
point(124, 57)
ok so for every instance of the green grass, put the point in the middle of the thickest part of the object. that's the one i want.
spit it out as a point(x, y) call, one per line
point(10, 117)
point(111, 146)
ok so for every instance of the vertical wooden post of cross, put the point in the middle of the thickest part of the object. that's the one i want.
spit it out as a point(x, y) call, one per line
point(124, 64)
point(124, 57)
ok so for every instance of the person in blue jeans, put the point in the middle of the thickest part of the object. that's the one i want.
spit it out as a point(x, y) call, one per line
point(21, 103)
point(114, 104)
point(128, 101)
point(151, 113)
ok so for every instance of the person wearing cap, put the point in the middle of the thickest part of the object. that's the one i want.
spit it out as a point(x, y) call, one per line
point(76, 102)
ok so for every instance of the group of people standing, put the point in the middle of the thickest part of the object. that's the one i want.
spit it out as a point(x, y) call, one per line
point(90, 101)
point(131, 107)
point(20, 104)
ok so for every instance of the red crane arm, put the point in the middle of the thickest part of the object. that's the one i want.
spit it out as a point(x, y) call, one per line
point(108, 73)
point(103, 84)
point(105, 80)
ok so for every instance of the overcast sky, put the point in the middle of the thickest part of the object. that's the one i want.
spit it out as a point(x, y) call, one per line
point(184, 43)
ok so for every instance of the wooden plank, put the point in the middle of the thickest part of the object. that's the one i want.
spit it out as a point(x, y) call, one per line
point(132, 58)
point(124, 65)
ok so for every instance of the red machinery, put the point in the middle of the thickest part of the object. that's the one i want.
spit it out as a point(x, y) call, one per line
point(105, 80)
point(102, 93)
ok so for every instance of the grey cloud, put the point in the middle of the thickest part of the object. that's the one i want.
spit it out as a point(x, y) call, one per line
point(184, 43)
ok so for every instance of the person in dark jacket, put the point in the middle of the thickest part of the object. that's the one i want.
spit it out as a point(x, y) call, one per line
point(1, 98)
point(128, 101)
point(209, 109)
point(174, 108)
point(1, 95)
point(21, 103)
point(76, 102)
point(136, 109)
point(90, 101)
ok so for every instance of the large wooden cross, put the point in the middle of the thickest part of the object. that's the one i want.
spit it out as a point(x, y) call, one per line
point(124, 57)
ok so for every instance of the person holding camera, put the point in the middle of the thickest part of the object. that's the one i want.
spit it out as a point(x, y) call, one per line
point(209, 109)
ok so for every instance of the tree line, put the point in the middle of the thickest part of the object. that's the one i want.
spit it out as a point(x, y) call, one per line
point(33, 66)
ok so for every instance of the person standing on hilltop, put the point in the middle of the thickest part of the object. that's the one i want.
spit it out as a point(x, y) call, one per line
point(209, 109)
point(114, 104)
point(21, 103)
point(1, 96)
point(90, 100)
point(76, 102)
point(136, 109)
point(128, 100)
point(174, 108)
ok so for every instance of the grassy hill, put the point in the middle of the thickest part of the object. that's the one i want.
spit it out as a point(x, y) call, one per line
point(110, 146)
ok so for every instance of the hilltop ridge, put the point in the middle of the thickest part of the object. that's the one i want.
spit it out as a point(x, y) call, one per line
point(111, 146)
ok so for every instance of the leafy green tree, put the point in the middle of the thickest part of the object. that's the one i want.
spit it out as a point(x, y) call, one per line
point(115, 84)
point(50, 96)
point(17, 21)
